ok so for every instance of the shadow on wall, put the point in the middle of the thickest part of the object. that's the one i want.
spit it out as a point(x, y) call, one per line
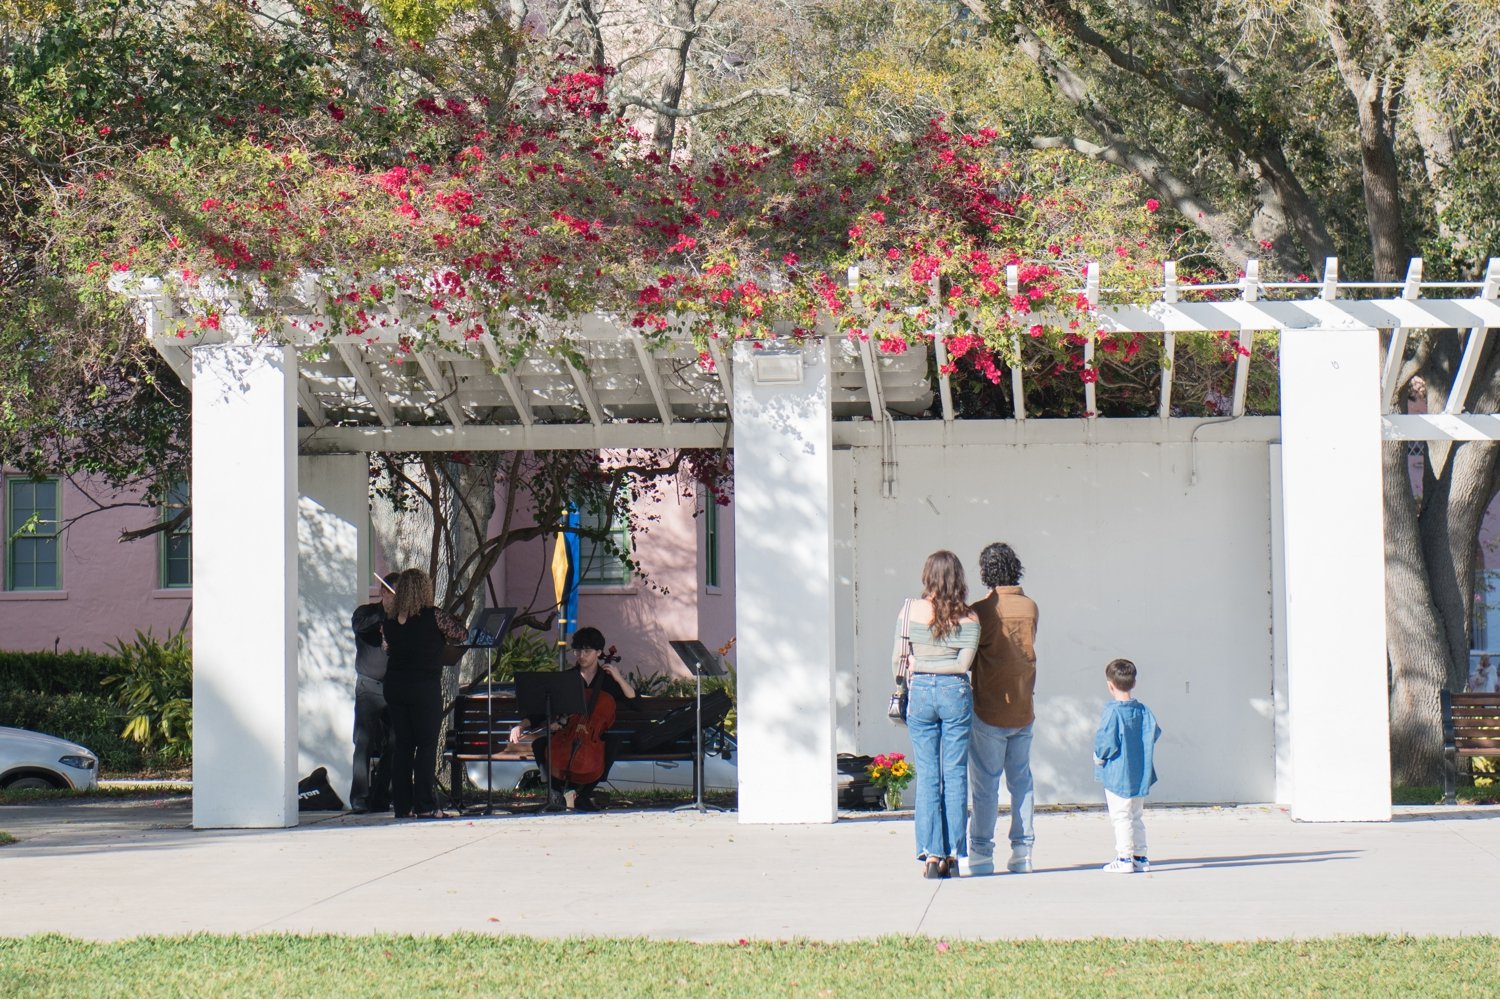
point(325, 653)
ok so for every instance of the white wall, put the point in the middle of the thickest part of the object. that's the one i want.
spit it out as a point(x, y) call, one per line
point(1126, 557)
point(333, 570)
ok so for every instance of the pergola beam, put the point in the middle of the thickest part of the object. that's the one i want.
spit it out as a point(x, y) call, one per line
point(1168, 341)
point(586, 393)
point(508, 379)
point(721, 369)
point(1091, 290)
point(510, 437)
point(1017, 383)
point(1396, 351)
point(365, 379)
point(652, 376)
point(446, 396)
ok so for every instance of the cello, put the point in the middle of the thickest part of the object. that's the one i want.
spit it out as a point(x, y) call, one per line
point(577, 749)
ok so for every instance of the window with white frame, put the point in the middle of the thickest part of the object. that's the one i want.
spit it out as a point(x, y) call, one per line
point(177, 541)
point(604, 563)
point(33, 515)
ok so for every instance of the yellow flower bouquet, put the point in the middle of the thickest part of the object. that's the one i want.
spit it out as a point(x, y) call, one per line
point(891, 772)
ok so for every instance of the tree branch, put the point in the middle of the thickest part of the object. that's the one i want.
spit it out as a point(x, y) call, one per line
point(1146, 164)
point(754, 93)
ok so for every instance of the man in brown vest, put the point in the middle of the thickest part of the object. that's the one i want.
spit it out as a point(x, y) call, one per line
point(1004, 675)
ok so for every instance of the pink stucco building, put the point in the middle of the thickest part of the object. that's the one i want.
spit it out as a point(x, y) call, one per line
point(81, 588)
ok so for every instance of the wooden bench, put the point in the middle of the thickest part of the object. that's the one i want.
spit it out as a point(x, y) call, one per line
point(1471, 728)
point(646, 728)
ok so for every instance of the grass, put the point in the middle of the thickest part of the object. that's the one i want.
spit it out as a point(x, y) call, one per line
point(6, 838)
point(476, 965)
point(13, 796)
point(1426, 795)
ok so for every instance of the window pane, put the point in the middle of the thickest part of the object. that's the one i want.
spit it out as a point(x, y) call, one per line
point(32, 556)
point(177, 544)
point(599, 564)
point(711, 542)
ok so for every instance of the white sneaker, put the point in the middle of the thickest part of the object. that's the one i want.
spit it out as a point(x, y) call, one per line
point(1020, 860)
point(1140, 863)
point(980, 864)
point(1120, 866)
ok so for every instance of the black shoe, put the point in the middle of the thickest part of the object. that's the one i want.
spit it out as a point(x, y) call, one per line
point(555, 803)
point(359, 810)
point(587, 804)
point(933, 868)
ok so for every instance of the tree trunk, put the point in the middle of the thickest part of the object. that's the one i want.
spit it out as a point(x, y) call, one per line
point(1415, 641)
point(684, 31)
point(1381, 172)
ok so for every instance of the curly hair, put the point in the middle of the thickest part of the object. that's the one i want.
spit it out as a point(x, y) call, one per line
point(413, 594)
point(943, 585)
point(998, 566)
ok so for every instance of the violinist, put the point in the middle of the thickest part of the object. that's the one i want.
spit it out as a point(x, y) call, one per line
point(598, 674)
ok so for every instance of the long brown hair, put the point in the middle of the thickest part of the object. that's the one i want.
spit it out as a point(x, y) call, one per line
point(943, 585)
point(413, 594)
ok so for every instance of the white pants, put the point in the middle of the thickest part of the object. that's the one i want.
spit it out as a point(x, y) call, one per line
point(1130, 826)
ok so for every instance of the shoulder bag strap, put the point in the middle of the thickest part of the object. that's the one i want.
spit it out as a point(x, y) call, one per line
point(907, 652)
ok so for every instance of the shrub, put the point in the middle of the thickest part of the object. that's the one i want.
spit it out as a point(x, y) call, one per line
point(55, 673)
point(524, 650)
point(153, 682)
point(91, 720)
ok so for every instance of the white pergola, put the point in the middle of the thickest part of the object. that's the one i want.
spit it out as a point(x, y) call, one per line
point(282, 426)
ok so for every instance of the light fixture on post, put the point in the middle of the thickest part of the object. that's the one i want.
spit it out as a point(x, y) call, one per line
point(779, 366)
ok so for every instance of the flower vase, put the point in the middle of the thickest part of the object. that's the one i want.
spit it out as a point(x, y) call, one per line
point(892, 799)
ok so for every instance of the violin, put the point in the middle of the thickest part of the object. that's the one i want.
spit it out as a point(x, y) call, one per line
point(578, 747)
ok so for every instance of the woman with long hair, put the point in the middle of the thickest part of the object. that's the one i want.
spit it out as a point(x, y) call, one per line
point(944, 634)
point(415, 634)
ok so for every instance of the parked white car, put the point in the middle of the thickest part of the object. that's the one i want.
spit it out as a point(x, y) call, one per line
point(36, 760)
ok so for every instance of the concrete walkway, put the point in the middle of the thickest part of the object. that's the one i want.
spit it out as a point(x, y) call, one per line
point(111, 869)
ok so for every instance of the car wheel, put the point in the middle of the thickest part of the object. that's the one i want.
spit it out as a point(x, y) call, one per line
point(30, 781)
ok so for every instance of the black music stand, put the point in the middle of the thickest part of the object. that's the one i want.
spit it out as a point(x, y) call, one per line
point(489, 632)
point(699, 661)
point(547, 694)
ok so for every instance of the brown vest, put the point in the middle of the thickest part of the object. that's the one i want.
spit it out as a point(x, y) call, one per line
point(1005, 667)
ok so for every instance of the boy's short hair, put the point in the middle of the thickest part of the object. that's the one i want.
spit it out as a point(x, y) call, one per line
point(1121, 673)
point(588, 638)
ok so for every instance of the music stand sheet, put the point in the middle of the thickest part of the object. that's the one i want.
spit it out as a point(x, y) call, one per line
point(697, 658)
point(489, 631)
point(536, 688)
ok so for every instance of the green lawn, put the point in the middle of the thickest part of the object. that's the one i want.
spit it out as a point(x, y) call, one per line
point(475, 965)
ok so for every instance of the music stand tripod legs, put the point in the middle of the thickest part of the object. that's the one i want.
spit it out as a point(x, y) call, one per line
point(545, 693)
point(700, 662)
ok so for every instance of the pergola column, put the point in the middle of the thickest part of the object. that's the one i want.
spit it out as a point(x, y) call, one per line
point(244, 586)
point(1338, 702)
point(783, 444)
point(333, 578)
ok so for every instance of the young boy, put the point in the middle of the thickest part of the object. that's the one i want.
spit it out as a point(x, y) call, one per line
point(1123, 750)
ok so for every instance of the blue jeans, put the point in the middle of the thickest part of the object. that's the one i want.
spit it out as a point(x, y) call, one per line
point(938, 716)
point(993, 752)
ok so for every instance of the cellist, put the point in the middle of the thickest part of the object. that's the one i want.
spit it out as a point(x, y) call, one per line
point(598, 674)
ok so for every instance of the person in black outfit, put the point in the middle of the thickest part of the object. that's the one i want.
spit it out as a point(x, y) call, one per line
point(415, 635)
point(371, 793)
point(595, 674)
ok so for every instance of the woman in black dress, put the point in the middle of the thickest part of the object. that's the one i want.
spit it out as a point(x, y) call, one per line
point(415, 635)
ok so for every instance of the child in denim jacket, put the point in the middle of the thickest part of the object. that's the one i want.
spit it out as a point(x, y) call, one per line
point(1123, 751)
